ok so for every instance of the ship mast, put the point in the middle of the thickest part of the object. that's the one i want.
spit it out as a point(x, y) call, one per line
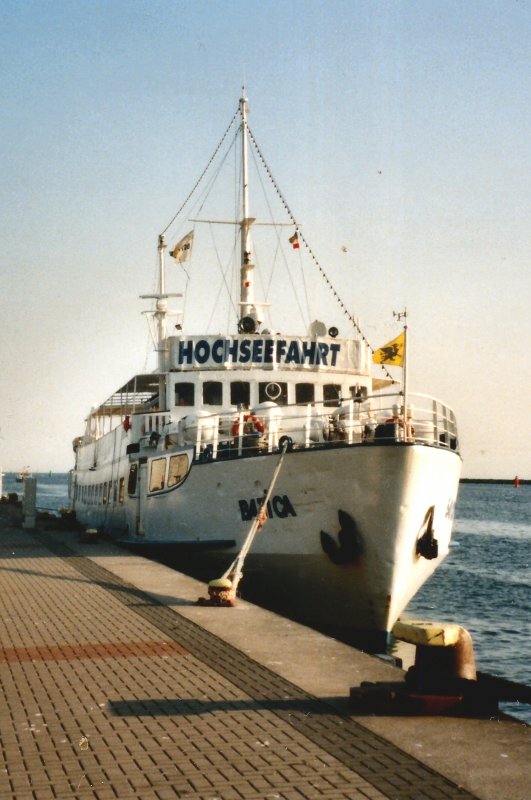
point(248, 312)
point(160, 313)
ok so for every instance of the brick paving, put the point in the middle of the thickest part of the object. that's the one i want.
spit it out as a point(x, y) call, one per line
point(105, 693)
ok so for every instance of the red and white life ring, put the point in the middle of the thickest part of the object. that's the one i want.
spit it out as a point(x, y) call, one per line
point(251, 424)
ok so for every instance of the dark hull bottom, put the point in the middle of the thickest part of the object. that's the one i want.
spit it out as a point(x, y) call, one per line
point(255, 588)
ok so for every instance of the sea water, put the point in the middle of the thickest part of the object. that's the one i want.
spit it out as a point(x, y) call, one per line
point(52, 489)
point(484, 584)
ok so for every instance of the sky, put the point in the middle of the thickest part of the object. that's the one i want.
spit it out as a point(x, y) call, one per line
point(398, 131)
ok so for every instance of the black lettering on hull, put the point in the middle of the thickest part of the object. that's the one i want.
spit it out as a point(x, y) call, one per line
point(279, 506)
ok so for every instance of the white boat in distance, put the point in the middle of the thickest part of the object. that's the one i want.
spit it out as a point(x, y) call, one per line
point(362, 509)
point(25, 472)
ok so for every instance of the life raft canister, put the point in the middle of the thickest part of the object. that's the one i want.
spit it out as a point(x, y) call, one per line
point(251, 424)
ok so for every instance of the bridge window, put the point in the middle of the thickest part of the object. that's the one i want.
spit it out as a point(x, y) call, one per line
point(131, 483)
point(212, 393)
point(273, 391)
point(156, 474)
point(304, 393)
point(177, 470)
point(331, 394)
point(184, 394)
point(240, 393)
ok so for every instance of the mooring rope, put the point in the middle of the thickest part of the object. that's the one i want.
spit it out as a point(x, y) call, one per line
point(222, 591)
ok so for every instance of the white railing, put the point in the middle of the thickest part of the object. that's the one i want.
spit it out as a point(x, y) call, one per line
point(378, 420)
point(152, 426)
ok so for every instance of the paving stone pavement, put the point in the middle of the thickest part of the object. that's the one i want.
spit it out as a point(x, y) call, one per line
point(106, 693)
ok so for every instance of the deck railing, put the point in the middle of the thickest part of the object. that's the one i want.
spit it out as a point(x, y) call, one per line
point(377, 420)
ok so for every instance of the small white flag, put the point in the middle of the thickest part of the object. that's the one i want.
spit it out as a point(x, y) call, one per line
point(183, 249)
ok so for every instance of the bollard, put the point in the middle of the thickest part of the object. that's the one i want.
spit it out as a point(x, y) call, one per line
point(444, 656)
point(29, 502)
point(443, 679)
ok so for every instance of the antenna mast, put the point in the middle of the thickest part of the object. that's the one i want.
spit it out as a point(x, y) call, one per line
point(247, 301)
point(160, 312)
point(399, 315)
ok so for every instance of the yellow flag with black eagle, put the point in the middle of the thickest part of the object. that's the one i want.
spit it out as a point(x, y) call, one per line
point(391, 353)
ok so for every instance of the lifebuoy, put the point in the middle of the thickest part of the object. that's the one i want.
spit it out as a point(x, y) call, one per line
point(127, 424)
point(251, 424)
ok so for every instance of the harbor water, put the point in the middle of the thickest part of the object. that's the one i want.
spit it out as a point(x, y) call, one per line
point(484, 584)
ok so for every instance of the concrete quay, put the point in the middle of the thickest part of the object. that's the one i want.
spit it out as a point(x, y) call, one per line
point(115, 684)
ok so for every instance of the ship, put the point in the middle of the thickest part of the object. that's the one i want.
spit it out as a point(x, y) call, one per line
point(181, 458)
point(25, 472)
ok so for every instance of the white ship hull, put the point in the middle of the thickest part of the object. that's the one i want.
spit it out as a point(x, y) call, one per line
point(386, 490)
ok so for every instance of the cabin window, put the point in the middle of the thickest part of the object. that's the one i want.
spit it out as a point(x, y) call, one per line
point(240, 393)
point(304, 393)
point(212, 393)
point(177, 470)
point(131, 483)
point(114, 491)
point(104, 493)
point(184, 394)
point(121, 491)
point(156, 474)
point(332, 394)
point(273, 391)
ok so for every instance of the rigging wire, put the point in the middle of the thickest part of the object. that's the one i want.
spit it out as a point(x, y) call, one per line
point(213, 156)
point(310, 251)
point(223, 277)
point(278, 248)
